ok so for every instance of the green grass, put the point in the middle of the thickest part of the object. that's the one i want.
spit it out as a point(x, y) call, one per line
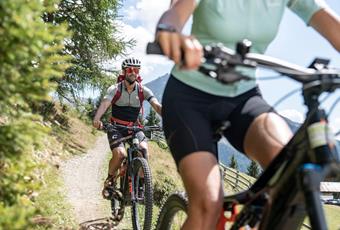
point(52, 202)
point(332, 213)
point(62, 143)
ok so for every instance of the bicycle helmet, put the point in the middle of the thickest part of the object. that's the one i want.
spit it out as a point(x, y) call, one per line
point(131, 62)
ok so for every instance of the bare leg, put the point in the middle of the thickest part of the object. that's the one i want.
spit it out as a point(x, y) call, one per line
point(265, 138)
point(202, 181)
point(118, 155)
point(144, 146)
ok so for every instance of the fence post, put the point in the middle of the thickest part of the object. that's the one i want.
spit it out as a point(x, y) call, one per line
point(237, 180)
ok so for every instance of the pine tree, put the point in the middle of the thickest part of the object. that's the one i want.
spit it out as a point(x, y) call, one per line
point(95, 39)
point(253, 169)
point(233, 162)
point(152, 118)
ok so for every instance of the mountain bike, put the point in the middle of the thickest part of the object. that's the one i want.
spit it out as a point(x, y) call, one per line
point(289, 189)
point(135, 182)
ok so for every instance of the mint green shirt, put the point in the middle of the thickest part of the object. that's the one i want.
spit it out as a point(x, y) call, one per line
point(230, 21)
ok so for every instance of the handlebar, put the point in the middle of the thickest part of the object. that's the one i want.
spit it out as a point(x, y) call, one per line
point(107, 127)
point(222, 61)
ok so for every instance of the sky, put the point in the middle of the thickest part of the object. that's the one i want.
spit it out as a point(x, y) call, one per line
point(295, 43)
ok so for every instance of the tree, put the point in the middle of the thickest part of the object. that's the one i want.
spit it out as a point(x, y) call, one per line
point(253, 169)
point(95, 39)
point(233, 162)
point(152, 118)
point(30, 57)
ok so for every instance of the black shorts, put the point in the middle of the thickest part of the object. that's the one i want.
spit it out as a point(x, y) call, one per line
point(116, 137)
point(191, 118)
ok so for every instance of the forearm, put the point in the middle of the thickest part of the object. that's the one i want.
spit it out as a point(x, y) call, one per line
point(156, 106)
point(101, 110)
point(327, 23)
point(178, 14)
point(158, 109)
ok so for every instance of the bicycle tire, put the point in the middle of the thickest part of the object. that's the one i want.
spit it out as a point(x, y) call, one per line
point(145, 203)
point(176, 202)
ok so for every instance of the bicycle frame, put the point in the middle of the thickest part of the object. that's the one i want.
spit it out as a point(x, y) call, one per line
point(135, 180)
point(128, 177)
point(289, 188)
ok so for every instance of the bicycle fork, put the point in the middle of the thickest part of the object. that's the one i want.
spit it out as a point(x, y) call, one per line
point(310, 177)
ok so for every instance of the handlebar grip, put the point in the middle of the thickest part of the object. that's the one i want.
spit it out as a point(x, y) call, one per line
point(154, 48)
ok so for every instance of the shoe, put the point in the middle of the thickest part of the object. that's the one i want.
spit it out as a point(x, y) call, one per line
point(109, 187)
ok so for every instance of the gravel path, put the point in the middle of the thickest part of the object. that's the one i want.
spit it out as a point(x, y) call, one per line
point(83, 177)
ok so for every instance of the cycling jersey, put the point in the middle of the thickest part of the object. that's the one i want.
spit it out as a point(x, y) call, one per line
point(127, 107)
point(230, 21)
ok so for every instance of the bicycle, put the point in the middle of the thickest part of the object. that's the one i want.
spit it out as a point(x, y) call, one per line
point(289, 189)
point(135, 182)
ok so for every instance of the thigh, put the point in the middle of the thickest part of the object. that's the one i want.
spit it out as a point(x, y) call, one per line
point(114, 137)
point(242, 117)
point(265, 138)
point(141, 138)
point(187, 127)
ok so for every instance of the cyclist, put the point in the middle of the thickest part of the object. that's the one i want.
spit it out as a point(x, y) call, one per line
point(194, 104)
point(126, 98)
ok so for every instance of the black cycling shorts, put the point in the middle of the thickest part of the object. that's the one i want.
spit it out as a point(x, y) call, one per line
point(191, 117)
point(116, 137)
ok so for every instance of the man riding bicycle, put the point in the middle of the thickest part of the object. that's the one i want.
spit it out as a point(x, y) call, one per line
point(193, 105)
point(126, 98)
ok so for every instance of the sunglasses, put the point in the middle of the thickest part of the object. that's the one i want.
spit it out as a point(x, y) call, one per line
point(130, 70)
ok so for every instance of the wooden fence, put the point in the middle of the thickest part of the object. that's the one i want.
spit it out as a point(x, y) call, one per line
point(158, 137)
point(237, 180)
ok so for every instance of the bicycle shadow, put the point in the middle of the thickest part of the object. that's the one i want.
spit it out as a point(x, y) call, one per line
point(105, 223)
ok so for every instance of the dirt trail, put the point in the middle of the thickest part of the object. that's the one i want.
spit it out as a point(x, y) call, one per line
point(83, 178)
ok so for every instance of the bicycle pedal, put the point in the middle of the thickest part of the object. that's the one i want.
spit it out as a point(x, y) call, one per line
point(117, 195)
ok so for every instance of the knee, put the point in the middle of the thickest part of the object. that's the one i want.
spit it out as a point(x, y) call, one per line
point(208, 208)
point(212, 206)
point(118, 154)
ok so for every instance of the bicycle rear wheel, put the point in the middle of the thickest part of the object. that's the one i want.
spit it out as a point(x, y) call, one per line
point(142, 204)
point(173, 213)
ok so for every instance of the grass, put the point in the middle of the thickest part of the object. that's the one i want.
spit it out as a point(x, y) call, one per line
point(63, 142)
point(332, 213)
point(52, 201)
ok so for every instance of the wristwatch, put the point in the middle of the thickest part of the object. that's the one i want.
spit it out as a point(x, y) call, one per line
point(165, 27)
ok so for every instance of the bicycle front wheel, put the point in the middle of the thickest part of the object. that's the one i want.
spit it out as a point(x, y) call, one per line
point(143, 196)
point(173, 213)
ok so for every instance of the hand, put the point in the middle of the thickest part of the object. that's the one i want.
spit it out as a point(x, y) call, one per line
point(97, 124)
point(174, 44)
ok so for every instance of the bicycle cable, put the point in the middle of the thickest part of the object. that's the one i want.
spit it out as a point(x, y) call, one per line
point(333, 106)
point(331, 110)
point(266, 78)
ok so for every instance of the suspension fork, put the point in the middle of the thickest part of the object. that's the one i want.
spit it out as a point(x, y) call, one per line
point(131, 175)
point(310, 176)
